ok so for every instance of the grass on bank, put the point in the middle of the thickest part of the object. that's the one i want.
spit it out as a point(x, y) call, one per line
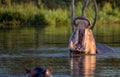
point(29, 14)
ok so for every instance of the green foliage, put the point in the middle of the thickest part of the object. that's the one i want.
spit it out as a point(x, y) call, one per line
point(30, 14)
point(108, 14)
point(107, 7)
point(38, 19)
point(58, 16)
point(105, 15)
point(21, 14)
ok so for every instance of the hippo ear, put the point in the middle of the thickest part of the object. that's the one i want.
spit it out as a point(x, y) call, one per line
point(27, 70)
point(48, 71)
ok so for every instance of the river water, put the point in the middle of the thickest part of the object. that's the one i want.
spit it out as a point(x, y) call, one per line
point(46, 46)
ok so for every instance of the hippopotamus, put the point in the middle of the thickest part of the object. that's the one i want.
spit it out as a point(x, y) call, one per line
point(82, 39)
point(39, 72)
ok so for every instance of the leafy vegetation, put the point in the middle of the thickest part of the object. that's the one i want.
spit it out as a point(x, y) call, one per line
point(14, 13)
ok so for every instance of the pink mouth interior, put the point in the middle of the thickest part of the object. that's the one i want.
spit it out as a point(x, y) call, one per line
point(79, 46)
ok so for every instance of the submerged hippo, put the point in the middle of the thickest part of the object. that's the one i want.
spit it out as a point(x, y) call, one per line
point(39, 72)
point(82, 39)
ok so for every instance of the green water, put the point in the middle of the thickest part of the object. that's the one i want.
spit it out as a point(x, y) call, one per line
point(46, 46)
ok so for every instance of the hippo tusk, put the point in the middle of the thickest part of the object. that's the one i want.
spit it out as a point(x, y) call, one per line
point(95, 9)
point(84, 6)
point(96, 14)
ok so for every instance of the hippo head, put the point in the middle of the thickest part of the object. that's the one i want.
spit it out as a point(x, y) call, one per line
point(81, 24)
point(38, 72)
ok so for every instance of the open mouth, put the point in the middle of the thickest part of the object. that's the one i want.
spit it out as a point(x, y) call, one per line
point(79, 45)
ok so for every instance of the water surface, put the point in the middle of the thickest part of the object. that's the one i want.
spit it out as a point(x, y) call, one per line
point(46, 46)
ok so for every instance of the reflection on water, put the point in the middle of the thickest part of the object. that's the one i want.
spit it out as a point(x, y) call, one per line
point(83, 65)
point(47, 46)
point(108, 34)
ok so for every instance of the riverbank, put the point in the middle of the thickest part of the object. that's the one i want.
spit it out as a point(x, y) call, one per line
point(28, 14)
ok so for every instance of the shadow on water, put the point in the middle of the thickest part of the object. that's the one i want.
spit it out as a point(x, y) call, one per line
point(47, 46)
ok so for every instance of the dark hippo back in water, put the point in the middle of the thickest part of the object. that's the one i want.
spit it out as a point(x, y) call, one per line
point(101, 48)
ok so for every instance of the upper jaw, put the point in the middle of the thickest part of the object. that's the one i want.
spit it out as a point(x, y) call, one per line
point(81, 30)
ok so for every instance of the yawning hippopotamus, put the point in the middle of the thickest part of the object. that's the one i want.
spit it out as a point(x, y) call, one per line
point(82, 39)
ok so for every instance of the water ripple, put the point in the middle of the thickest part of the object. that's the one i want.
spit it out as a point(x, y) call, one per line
point(34, 55)
point(48, 48)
